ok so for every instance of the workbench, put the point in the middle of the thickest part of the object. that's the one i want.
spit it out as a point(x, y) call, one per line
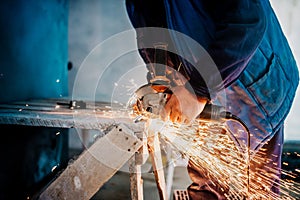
point(85, 176)
point(57, 113)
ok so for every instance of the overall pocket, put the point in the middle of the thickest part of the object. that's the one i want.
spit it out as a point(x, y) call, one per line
point(271, 90)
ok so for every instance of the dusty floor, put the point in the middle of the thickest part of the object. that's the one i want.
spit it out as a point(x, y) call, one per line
point(117, 188)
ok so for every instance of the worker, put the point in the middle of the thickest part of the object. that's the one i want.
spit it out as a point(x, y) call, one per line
point(254, 62)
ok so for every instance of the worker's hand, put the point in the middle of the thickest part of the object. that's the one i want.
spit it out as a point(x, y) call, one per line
point(183, 106)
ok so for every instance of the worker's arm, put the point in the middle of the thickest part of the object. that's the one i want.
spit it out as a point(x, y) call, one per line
point(229, 30)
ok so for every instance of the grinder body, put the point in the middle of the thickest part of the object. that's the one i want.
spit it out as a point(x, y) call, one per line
point(151, 98)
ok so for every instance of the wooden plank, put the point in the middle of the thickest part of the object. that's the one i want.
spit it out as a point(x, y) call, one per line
point(95, 166)
point(158, 168)
point(136, 181)
point(135, 164)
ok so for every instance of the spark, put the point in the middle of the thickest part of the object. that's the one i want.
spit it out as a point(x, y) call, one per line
point(285, 163)
point(210, 147)
point(215, 151)
point(53, 168)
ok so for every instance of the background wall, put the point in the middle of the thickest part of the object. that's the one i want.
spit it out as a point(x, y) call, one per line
point(288, 15)
point(34, 49)
point(97, 29)
point(33, 65)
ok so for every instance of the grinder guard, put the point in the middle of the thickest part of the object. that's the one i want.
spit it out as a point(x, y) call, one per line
point(150, 99)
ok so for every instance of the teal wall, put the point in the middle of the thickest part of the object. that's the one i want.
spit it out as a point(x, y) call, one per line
point(33, 49)
point(33, 65)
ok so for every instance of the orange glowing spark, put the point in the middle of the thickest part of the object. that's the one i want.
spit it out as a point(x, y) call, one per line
point(210, 147)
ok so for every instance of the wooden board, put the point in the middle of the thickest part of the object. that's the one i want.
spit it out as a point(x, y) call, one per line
point(158, 168)
point(84, 177)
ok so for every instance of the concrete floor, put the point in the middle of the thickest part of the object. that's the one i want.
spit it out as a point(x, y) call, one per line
point(118, 187)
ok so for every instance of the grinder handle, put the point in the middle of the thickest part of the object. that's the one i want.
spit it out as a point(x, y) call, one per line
point(212, 111)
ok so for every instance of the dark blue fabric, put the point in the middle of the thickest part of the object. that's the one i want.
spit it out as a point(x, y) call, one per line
point(230, 31)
